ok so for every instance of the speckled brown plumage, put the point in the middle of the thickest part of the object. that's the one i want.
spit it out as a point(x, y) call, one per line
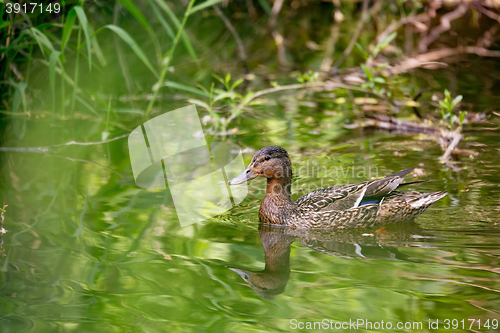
point(336, 207)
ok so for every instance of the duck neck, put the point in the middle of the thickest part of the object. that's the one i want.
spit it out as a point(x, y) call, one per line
point(279, 188)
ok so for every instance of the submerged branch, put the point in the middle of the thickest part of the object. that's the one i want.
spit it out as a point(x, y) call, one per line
point(457, 137)
point(46, 149)
point(444, 26)
point(89, 162)
point(428, 58)
point(449, 140)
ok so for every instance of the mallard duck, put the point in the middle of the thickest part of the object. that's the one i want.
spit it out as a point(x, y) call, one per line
point(365, 204)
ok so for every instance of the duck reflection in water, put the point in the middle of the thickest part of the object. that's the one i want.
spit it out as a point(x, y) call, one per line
point(332, 220)
point(369, 243)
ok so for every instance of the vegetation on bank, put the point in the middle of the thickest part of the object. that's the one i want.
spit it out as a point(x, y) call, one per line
point(104, 60)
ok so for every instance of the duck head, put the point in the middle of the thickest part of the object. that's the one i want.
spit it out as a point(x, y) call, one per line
point(270, 162)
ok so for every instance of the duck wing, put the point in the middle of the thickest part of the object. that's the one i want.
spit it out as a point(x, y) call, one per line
point(395, 207)
point(349, 196)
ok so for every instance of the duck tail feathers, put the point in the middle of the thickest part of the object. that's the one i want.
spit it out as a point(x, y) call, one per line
point(401, 173)
point(426, 199)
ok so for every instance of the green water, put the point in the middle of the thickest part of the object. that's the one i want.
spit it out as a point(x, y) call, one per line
point(86, 250)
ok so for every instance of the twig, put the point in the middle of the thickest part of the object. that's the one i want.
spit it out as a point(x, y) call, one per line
point(487, 12)
point(230, 27)
point(354, 38)
point(49, 148)
point(2, 229)
point(400, 126)
point(89, 162)
point(13, 68)
point(444, 26)
point(278, 38)
point(405, 127)
point(487, 38)
point(426, 58)
point(328, 85)
point(457, 137)
point(395, 25)
point(89, 143)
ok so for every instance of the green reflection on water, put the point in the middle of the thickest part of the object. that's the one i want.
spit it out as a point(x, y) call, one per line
point(88, 251)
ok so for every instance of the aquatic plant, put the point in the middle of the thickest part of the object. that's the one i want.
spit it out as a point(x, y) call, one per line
point(447, 106)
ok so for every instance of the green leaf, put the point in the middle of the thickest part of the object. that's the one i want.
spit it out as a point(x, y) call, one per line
point(85, 25)
point(132, 8)
point(265, 6)
point(19, 95)
point(382, 66)
point(457, 100)
point(229, 94)
point(387, 40)
point(133, 45)
point(68, 28)
point(160, 17)
point(447, 94)
point(54, 57)
point(41, 39)
point(218, 78)
point(237, 83)
point(378, 79)
point(199, 103)
point(205, 4)
point(180, 86)
point(97, 48)
point(367, 71)
point(184, 36)
point(360, 48)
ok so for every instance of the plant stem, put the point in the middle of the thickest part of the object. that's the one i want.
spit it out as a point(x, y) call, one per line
point(168, 58)
point(76, 68)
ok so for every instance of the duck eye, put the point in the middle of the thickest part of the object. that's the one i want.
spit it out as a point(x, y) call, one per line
point(267, 158)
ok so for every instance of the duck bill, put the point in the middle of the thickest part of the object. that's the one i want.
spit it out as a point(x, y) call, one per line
point(243, 177)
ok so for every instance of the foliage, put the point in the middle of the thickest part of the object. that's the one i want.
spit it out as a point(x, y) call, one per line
point(447, 106)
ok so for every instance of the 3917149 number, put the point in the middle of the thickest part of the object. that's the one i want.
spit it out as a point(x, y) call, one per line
point(32, 8)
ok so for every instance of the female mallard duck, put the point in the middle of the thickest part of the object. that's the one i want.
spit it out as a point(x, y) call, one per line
point(348, 206)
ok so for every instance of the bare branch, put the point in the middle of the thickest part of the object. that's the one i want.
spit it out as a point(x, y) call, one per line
point(429, 57)
point(89, 162)
point(444, 26)
point(457, 137)
point(49, 148)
